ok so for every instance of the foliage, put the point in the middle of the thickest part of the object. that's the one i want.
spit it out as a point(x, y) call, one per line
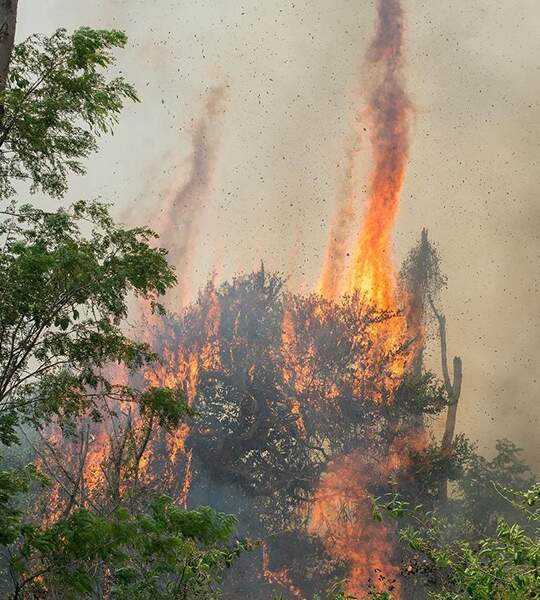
point(284, 392)
point(502, 566)
point(477, 507)
point(12, 483)
point(421, 273)
point(57, 102)
point(65, 280)
point(163, 554)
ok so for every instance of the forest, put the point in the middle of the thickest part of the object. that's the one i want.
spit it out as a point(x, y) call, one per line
point(259, 442)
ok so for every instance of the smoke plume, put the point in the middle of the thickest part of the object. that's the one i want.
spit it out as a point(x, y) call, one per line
point(184, 201)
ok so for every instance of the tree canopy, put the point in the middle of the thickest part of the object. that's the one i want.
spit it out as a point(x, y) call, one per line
point(58, 99)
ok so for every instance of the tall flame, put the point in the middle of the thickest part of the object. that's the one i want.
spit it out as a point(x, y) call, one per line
point(388, 113)
point(340, 513)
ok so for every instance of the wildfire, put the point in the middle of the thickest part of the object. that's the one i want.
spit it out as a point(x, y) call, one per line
point(280, 577)
point(341, 510)
point(181, 368)
point(341, 516)
point(388, 114)
point(356, 316)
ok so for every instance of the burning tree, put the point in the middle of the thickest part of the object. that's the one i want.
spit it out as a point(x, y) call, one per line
point(304, 406)
point(304, 409)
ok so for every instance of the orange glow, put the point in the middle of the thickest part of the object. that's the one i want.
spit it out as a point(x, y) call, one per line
point(341, 516)
point(341, 512)
point(292, 371)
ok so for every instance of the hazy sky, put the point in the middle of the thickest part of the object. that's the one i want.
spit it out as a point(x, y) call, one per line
point(291, 73)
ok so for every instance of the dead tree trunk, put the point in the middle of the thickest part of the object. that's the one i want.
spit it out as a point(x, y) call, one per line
point(453, 391)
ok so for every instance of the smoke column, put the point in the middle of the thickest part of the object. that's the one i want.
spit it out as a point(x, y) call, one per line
point(335, 261)
point(178, 221)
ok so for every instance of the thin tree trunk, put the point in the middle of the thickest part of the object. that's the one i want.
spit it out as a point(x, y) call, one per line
point(8, 23)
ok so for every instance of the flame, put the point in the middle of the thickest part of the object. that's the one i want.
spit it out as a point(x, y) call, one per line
point(388, 118)
point(341, 514)
point(388, 113)
point(292, 370)
point(339, 511)
point(189, 361)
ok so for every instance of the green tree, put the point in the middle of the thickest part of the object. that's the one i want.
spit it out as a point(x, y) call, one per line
point(57, 101)
point(165, 553)
point(66, 280)
point(501, 565)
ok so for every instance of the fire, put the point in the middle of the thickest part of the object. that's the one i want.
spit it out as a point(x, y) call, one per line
point(341, 510)
point(341, 516)
point(326, 351)
point(182, 368)
point(280, 577)
point(388, 115)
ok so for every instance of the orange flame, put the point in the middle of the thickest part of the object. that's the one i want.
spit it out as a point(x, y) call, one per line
point(341, 516)
point(340, 509)
point(341, 513)
point(388, 113)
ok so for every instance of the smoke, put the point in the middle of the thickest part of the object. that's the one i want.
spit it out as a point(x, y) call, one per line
point(294, 65)
point(335, 261)
point(177, 222)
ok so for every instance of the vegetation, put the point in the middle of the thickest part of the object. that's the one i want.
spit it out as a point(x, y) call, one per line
point(502, 565)
point(66, 278)
point(57, 100)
